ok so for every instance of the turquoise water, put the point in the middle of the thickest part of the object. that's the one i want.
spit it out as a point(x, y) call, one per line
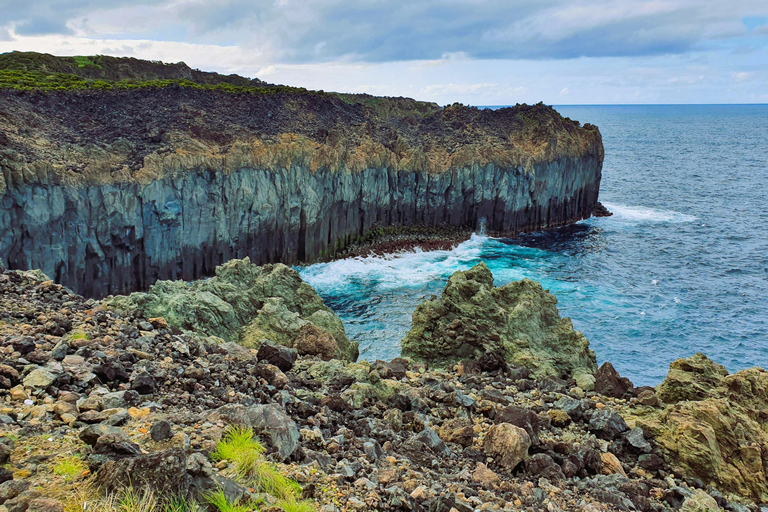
point(681, 267)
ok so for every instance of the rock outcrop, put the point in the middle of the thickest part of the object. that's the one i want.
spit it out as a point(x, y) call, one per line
point(110, 191)
point(712, 425)
point(519, 320)
point(247, 304)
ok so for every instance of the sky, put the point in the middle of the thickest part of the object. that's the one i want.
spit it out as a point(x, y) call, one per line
point(477, 52)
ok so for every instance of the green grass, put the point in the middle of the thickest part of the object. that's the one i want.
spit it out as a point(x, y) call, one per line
point(180, 504)
point(70, 467)
point(246, 455)
point(40, 81)
point(219, 501)
point(79, 335)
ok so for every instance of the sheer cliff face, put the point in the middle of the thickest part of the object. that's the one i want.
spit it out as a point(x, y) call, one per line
point(191, 205)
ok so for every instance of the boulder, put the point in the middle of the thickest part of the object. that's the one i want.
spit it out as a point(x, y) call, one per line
point(165, 473)
point(711, 425)
point(507, 444)
point(39, 379)
point(519, 320)
point(243, 303)
point(608, 382)
point(279, 355)
point(700, 501)
point(607, 424)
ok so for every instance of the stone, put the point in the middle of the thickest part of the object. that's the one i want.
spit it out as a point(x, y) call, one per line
point(521, 417)
point(648, 397)
point(160, 431)
point(45, 505)
point(507, 444)
point(635, 441)
point(608, 382)
point(650, 461)
point(158, 323)
point(558, 418)
point(544, 466)
point(143, 382)
point(485, 477)
point(700, 501)
point(611, 465)
point(607, 424)
point(5, 475)
point(281, 356)
point(5, 453)
point(12, 488)
point(39, 379)
point(116, 444)
point(430, 438)
point(457, 430)
point(520, 320)
point(316, 341)
point(91, 434)
point(165, 473)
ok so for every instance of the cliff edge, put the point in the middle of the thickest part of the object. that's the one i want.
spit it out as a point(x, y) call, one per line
point(114, 177)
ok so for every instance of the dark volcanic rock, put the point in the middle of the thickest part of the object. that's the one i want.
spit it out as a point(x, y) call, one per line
point(281, 356)
point(608, 382)
point(607, 424)
point(163, 472)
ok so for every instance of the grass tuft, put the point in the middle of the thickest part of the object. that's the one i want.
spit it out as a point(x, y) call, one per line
point(220, 502)
point(291, 504)
point(70, 467)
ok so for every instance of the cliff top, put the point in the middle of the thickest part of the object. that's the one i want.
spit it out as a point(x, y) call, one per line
point(99, 119)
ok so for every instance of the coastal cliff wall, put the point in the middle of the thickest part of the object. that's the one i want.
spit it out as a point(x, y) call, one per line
point(117, 238)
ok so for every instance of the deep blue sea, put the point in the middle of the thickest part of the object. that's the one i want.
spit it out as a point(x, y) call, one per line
point(681, 267)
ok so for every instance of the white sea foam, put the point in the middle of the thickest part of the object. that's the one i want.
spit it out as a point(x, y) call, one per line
point(643, 214)
point(402, 269)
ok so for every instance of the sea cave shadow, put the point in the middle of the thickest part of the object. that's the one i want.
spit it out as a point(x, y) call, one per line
point(579, 239)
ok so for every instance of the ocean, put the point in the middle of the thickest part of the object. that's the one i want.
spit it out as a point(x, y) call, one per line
point(681, 267)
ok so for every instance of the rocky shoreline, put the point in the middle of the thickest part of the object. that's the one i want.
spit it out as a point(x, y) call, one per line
point(106, 388)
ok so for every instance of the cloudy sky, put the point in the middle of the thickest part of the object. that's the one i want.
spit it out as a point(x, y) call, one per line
point(481, 52)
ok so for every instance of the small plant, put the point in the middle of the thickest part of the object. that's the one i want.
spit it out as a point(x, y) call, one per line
point(181, 504)
point(291, 504)
point(132, 501)
point(220, 502)
point(70, 467)
point(79, 335)
point(268, 479)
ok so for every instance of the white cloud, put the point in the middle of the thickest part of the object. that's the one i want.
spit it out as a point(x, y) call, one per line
point(565, 92)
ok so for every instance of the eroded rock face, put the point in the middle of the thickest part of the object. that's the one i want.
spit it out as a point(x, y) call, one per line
point(246, 303)
point(712, 424)
point(519, 320)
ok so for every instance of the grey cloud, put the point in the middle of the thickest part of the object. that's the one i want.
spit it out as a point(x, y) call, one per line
point(302, 31)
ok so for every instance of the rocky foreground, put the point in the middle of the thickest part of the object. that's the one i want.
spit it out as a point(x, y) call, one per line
point(137, 391)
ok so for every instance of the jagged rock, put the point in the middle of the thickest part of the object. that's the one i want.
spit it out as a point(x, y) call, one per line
point(520, 320)
point(143, 383)
point(316, 341)
point(520, 417)
point(279, 355)
point(457, 430)
point(45, 505)
point(39, 379)
point(485, 477)
point(5, 475)
point(432, 441)
point(635, 440)
point(711, 425)
point(12, 488)
point(611, 464)
point(243, 303)
point(5, 453)
point(700, 501)
point(543, 465)
point(507, 444)
point(608, 382)
point(117, 445)
point(160, 431)
point(607, 424)
point(164, 472)
point(91, 434)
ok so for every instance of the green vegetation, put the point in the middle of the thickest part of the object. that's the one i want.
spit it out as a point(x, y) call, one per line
point(70, 467)
point(247, 457)
point(79, 335)
point(219, 501)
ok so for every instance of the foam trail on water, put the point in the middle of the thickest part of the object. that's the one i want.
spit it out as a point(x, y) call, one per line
point(643, 214)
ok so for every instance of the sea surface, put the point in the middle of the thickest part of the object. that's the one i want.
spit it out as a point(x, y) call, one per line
point(681, 267)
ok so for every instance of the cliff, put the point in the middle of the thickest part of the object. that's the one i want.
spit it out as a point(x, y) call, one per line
point(111, 186)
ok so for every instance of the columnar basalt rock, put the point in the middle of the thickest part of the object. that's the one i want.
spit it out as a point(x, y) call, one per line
point(91, 197)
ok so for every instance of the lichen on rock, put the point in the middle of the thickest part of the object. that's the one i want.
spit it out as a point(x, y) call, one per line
point(244, 303)
point(712, 424)
point(519, 320)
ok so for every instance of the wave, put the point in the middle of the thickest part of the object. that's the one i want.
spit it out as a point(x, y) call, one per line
point(644, 214)
point(410, 268)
